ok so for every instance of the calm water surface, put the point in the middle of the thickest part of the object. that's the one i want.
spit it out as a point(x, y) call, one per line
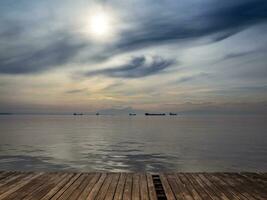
point(139, 143)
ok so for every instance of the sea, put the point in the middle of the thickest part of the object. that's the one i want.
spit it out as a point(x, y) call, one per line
point(183, 143)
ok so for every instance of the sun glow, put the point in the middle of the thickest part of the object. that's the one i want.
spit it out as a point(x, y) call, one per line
point(101, 25)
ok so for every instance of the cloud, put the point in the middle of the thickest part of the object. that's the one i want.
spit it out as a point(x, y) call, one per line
point(113, 86)
point(219, 21)
point(58, 51)
point(241, 54)
point(259, 107)
point(246, 90)
point(75, 91)
point(10, 29)
point(137, 67)
point(193, 77)
point(236, 55)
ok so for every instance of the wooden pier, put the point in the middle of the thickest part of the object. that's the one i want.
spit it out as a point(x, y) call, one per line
point(135, 186)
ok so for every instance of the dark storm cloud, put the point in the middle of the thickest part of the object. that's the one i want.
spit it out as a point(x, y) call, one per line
point(219, 21)
point(136, 68)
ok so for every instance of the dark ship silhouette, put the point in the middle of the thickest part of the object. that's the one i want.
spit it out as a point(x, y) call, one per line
point(77, 113)
point(155, 114)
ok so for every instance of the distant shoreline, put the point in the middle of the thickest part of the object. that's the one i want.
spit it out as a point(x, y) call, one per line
point(139, 114)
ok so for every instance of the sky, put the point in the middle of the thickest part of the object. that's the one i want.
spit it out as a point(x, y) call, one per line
point(203, 56)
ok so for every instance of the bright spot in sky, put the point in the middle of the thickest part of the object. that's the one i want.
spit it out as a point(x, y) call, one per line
point(101, 25)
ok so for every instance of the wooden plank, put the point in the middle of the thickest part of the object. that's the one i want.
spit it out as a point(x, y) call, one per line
point(10, 180)
point(120, 187)
point(143, 187)
point(175, 188)
point(112, 188)
point(5, 175)
point(136, 187)
point(74, 186)
point(167, 188)
point(76, 193)
point(228, 189)
point(249, 186)
point(258, 189)
point(208, 188)
point(31, 187)
point(89, 187)
point(127, 193)
point(26, 185)
point(20, 184)
point(189, 186)
point(256, 177)
point(255, 180)
point(97, 187)
point(104, 188)
point(66, 186)
point(200, 187)
point(151, 188)
point(38, 193)
point(213, 188)
point(67, 178)
point(183, 189)
point(237, 187)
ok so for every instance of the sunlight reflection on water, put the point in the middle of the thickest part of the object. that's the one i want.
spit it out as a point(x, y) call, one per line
point(122, 143)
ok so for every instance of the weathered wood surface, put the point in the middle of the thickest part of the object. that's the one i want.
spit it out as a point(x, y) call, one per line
point(132, 186)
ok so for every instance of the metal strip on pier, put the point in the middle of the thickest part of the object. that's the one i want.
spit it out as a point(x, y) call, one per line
point(159, 188)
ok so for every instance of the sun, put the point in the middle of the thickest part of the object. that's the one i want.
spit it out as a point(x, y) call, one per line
point(101, 25)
